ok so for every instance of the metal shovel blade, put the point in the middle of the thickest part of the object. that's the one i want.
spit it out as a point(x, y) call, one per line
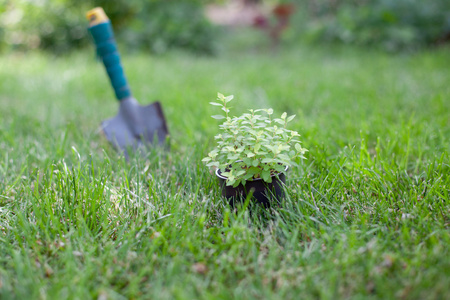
point(136, 125)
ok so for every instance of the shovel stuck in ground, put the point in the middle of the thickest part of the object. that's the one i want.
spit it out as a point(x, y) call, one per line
point(134, 125)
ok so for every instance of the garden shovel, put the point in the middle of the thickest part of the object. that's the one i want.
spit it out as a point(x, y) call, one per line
point(134, 125)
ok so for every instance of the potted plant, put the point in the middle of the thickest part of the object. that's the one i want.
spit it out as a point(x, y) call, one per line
point(253, 153)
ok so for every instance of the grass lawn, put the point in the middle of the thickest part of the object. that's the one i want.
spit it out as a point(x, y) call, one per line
point(367, 215)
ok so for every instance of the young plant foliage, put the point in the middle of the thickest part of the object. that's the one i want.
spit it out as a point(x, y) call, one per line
point(253, 145)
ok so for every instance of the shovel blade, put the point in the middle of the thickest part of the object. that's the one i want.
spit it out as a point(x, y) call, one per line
point(154, 123)
point(135, 126)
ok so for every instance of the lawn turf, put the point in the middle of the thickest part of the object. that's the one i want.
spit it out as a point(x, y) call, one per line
point(367, 215)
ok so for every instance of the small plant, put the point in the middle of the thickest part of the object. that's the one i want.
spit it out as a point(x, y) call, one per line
point(253, 145)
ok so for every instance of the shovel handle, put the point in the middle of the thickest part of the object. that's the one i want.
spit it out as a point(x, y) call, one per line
point(103, 35)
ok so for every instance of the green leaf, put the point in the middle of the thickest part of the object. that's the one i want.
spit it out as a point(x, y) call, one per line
point(298, 147)
point(250, 154)
point(229, 98)
point(240, 173)
point(213, 153)
point(279, 168)
point(231, 182)
point(236, 183)
point(240, 149)
point(255, 163)
point(270, 147)
point(206, 159)
point(267, 160)
point(233, 157)
point(253, 170)
point(283, 157)
point(247, 176)
point(218, 117)
point(216, 104)
point(290, 118)
point(265, 175)
point(283, 116)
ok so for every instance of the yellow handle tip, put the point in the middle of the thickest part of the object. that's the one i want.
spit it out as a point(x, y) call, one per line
point(96, 16)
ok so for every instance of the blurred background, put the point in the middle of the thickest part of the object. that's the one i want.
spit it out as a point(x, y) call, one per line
point(199, 26)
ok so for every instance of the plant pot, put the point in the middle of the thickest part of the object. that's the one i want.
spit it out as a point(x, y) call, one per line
point(263, 192)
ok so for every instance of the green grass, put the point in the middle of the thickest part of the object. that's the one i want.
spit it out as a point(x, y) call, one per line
point(366, 215)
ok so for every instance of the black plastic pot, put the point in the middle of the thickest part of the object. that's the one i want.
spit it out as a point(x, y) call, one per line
point(263, 193)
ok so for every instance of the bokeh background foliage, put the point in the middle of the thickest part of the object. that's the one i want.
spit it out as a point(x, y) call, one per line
point(392, 25)
point(161, 25)
point(60, 25)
